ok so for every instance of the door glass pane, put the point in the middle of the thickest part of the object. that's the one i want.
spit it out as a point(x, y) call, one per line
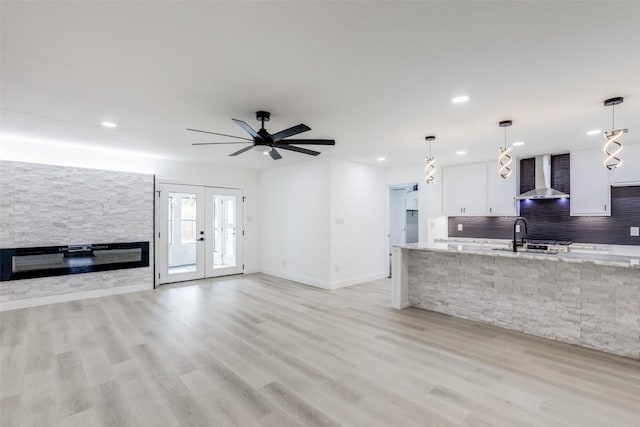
point(224, 231)
point(182, 232)
point(229, 257)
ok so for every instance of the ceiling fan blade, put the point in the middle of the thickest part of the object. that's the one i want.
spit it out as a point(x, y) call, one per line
point(297, 149)
point(309, 142)
point(241, 151)
point(274, 154)
point(217, 143)
point(279, 136)
point(247, 128)
point(221, 134)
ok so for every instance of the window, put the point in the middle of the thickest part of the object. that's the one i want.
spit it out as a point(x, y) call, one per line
point(187, 220)
point(170, 222)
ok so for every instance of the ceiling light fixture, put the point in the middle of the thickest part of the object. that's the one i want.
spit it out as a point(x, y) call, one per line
point(429, 163)
point(381, 159)
point(613, 147)
point(460, 99)
point(461, 152)
point(518, 143)
point(109, 124)
point(504, 160)
point(261, 148)
point(594, 132)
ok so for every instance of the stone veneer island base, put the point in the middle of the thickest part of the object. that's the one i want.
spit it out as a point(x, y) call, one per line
point(583, 303)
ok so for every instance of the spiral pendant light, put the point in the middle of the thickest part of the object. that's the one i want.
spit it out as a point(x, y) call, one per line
point(504, 160)
point(429, 163)
point(613, 147)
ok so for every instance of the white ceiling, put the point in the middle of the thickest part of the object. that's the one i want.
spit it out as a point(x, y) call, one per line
point(376, 76)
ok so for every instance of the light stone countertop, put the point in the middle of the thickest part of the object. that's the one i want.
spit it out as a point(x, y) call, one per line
point(498, 248)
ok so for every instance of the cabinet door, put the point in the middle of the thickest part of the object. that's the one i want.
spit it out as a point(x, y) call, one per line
point(464, 190)
point(473, 189)
point(590, 184)
point(501, 193)
point(629, 172)
point(450, 200)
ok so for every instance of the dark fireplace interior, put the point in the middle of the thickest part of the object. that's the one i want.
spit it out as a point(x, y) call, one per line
point(44, 261)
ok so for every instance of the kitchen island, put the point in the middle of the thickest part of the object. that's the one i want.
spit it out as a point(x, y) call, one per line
point(587, 299)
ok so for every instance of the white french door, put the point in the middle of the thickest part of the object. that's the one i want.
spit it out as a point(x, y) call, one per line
point(224, 231)
point(198, 232)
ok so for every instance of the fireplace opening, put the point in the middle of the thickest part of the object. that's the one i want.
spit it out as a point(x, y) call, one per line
point(44, 261)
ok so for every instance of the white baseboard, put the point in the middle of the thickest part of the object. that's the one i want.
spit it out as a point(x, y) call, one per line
point(73, 296)
point(357, 280)
point(300, 279)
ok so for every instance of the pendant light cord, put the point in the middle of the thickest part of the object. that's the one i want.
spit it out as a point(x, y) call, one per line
point(505, 138)
point(613, 118)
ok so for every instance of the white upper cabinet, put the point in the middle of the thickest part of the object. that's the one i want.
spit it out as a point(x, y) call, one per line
point(464, 189)
point(590, 184)
point(629, 172)
point(501, 192)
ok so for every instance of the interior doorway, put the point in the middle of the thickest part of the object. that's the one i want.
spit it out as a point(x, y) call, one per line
point(199, 232)
point(403, 215)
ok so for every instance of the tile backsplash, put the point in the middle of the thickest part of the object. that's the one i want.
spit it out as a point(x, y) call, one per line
point(551, 219)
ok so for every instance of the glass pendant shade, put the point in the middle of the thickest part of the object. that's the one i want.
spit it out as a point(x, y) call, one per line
point(612, 146)
point(429, 164)
point(504, 159)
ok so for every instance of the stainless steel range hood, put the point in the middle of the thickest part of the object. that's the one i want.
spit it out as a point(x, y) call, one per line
point(543, 188)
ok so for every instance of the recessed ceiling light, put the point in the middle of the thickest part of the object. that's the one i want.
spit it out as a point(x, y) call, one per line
point(518, 143)
point(460, 99)
point(594, 132)
point(381, 159)
point(109, 124)
point(461, 152)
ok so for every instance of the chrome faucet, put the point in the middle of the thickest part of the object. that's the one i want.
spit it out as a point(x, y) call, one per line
point(515, 242)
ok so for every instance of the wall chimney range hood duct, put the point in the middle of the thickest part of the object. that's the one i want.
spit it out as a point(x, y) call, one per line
point(543, 188)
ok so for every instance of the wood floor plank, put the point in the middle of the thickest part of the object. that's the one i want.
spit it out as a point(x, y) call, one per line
point(296, 407)
point(256, 350)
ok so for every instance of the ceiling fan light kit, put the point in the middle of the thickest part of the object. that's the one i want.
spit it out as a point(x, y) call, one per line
point(612, 146)
point(504, 159)
point(267, 143)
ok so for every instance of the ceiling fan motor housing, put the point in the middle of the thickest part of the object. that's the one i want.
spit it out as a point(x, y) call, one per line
point(263, 116)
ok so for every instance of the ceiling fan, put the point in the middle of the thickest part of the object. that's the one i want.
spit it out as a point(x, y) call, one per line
point(266, 142)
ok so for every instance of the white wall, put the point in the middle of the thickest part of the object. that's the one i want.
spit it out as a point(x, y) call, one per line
point(325, 222)
point(294, 218)
point(357, 223)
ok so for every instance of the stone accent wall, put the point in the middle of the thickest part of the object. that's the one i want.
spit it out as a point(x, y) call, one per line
point(44, 205)
point(585, 304)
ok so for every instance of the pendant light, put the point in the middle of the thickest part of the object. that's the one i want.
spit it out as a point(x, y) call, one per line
point(613, 147)
point(429, 163)
point(504, 160)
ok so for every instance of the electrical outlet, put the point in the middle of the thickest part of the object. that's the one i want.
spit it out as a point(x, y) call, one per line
point(337, 269)
point(284, 263)
point(459, 227)
point(432, 224)
point(634, 231)
point(517, 228)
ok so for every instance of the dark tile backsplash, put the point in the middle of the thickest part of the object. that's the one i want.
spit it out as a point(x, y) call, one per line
point(550, 219)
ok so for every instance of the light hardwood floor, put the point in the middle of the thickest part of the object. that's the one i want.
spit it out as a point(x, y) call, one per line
point(256, 350)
